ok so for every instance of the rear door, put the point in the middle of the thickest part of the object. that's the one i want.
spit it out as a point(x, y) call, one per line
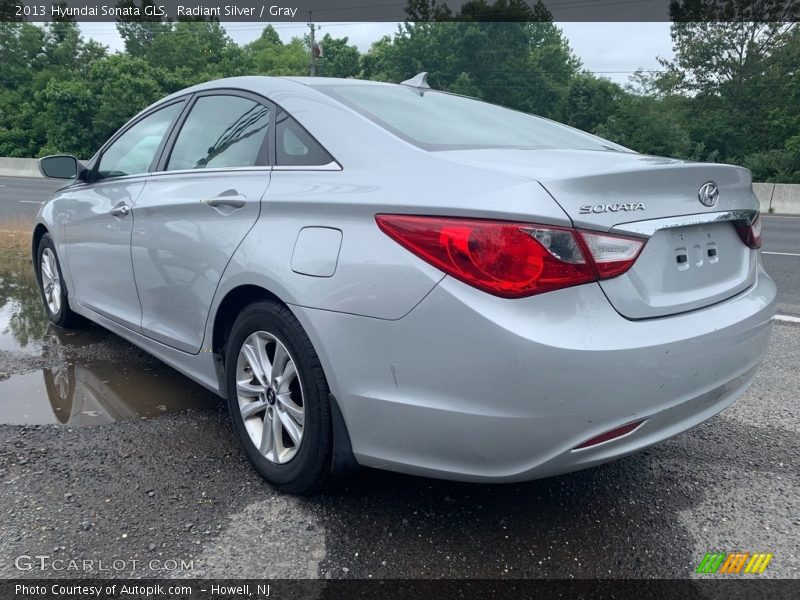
point(195, 211)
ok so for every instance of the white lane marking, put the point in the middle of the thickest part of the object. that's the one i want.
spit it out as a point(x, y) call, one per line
point(787, 318)
point(779, 216)
point(781, 253)
point(29, 202)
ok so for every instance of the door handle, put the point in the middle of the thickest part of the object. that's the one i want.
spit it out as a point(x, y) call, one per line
point(120, 211)
point(232, 201)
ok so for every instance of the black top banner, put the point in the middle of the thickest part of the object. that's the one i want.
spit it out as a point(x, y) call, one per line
point(400, 10)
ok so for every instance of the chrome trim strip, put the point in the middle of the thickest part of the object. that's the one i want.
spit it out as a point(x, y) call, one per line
point(331, 166)
point(648, 228)
point(266, 168)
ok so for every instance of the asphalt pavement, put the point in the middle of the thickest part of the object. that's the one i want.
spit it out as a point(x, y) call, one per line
point(176, 488)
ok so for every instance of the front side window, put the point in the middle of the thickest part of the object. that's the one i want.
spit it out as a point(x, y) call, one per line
point(221, 132)
point(440, 121)
point(133, 152)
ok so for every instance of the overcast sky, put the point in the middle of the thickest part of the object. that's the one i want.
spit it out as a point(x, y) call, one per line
point(613, 50)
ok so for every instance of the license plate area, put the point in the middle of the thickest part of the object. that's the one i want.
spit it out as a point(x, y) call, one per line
point(682, 269)
point(695, 247)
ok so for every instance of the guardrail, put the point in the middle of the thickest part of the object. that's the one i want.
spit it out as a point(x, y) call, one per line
point(779, 198)
point(19, 167)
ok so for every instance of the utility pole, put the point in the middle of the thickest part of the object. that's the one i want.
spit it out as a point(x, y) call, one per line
point(313, 64)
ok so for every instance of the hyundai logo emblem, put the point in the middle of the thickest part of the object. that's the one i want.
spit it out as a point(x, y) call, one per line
point(708, 194)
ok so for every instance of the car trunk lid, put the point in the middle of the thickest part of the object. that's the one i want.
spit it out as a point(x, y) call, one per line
point(694, 256)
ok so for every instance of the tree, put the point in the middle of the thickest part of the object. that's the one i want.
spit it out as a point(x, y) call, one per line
point(123, 86)
point(67, 118)
point(525, 65)
point(728, 60)
point(339, 59)
point(270, 56)
point(651, 126)
point(140, 32)
point(730, 94)
point(590, 101)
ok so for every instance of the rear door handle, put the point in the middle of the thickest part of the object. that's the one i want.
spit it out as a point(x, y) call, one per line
point(120, 211)
point(232, 201)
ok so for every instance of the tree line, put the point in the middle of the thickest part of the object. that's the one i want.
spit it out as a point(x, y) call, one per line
point(730, 94)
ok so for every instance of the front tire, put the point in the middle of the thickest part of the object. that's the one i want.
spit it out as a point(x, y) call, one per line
point(52, 286)
point(278, 399)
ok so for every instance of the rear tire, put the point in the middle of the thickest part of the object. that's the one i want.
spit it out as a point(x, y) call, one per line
point(278, 399)
point(52, 285)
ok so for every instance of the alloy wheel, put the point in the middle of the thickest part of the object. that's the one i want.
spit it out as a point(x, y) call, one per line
point(51, 282)
point(270, 397)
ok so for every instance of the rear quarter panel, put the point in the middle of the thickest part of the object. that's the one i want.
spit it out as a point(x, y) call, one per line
point(374, 276)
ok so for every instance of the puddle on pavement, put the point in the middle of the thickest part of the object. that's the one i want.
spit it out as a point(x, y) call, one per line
point(22, 319)
point(83, 377)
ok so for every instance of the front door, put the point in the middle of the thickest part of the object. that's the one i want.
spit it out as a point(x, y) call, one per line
point(99, 220)
point(195, 212)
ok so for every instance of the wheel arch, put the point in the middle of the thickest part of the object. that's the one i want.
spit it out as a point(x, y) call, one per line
point(231, 305)
point(38, 233)
point(234, 301)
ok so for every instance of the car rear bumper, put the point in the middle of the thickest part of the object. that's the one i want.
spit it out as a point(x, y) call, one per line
point(469, 386)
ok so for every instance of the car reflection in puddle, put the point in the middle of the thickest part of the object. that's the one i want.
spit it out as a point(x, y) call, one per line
point(85, 377)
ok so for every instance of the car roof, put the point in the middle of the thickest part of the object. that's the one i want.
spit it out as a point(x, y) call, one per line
point(312, 81)
point(265, 85)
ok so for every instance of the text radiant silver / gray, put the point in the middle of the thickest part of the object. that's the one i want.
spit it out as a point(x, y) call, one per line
point(395, 277)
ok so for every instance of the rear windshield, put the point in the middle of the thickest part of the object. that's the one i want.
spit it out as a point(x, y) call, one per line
point(440, 121)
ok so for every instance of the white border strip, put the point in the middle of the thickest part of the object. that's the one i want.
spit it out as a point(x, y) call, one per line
point(762, 252)
point(787, 319)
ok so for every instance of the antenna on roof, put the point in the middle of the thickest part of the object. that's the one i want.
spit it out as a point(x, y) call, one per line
point(420, 80)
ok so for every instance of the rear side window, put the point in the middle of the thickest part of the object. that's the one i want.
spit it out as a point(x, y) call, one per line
point(134, 151)
point(294, 146)
point(221, 131)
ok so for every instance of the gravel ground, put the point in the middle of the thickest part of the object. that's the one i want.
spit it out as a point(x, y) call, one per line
point(176, 487)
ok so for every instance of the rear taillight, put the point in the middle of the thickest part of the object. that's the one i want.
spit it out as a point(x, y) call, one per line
point(750, 233)
point(510, 259)
point(612, 255)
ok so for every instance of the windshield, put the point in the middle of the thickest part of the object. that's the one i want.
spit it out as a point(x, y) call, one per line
point(440, 121)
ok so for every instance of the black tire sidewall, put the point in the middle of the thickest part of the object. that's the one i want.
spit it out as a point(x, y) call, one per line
point(62, 316)
point(297, 475)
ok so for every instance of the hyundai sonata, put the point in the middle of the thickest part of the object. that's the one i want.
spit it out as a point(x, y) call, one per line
point(396, 277)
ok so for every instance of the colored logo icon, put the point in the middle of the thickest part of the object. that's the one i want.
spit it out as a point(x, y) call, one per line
point(734, 562)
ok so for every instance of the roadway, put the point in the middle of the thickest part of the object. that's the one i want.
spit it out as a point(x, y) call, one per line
point(21, 197)
point(781, 250)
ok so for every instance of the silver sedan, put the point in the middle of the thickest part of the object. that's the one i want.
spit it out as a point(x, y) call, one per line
point(395, 277)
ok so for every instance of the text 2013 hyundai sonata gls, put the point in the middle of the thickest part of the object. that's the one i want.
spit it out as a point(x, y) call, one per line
point(401, 278)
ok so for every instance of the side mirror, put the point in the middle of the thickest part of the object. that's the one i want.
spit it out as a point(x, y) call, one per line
point(61, 166)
